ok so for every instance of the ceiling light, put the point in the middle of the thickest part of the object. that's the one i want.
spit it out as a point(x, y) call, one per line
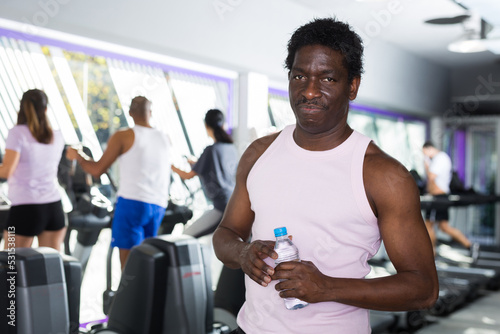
point(470, 42)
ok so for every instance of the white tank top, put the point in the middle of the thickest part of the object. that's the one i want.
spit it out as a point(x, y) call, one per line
point(319, 196)
point(145, 167)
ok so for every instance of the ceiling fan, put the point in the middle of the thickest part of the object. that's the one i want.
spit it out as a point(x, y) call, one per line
point(449, 20)
point(475, 31)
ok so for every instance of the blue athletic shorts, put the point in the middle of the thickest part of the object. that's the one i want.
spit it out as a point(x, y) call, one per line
point(133, 221)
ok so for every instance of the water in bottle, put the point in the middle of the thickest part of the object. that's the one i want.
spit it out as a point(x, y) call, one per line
point(287, 251)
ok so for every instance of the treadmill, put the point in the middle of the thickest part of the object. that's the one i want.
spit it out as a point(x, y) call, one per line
point(455, 262)
point(454, 291)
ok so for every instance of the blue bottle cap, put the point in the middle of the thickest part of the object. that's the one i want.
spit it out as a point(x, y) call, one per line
point(280, 231)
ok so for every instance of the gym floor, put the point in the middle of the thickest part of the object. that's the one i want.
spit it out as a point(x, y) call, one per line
point(94, 279)
point(479, 317)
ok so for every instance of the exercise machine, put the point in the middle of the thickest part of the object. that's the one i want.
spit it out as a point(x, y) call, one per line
point(4, 206)
point(165, 288)
point(42, 294)
point(92, 210)
point(485, 273)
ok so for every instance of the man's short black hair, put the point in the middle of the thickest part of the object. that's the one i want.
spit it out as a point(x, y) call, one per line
point(331, 33)
point(428, 144)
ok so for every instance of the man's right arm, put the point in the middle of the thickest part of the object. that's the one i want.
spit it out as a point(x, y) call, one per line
point(230, 240)
point(432, 187)
point(438, 166)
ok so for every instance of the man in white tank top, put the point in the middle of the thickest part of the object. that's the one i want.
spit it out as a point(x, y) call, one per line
point(337, 193)
point(144, 154)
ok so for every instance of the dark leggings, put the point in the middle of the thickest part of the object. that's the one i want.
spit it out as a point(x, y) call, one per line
point(237, 331)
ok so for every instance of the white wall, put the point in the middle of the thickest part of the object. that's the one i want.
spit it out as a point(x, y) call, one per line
point(241, 35)
point(397, 79)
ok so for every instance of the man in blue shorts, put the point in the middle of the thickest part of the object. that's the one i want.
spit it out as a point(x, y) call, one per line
point(144, 155)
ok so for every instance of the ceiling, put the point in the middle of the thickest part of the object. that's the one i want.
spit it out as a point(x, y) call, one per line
point(251, 36)
point(401, 22)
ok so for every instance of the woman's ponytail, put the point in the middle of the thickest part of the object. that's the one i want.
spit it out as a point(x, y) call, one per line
point(32, 112)
point(214, 119)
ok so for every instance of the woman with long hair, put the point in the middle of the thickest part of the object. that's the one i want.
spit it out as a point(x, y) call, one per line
point(32, 154)
point(216, 168)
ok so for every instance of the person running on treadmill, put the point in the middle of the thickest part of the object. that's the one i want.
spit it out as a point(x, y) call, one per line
point(32, 154)
point(337, 193)
point(438, 169)
point(144, 155)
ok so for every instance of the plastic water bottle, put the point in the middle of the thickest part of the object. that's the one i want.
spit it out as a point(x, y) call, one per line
point(287, 251)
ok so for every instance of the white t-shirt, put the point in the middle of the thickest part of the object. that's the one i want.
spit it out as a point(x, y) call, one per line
point(441, 166)
point(34, 180)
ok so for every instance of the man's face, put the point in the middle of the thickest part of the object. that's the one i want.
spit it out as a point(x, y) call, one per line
point(319, 89)
point(427, 151)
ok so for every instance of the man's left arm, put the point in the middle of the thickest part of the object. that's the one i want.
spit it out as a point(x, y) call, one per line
point(395, 197)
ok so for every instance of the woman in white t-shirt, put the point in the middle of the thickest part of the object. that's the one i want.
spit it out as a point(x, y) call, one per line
point(32, 154)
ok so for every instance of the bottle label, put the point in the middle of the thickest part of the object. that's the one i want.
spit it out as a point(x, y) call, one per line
point(286, 254)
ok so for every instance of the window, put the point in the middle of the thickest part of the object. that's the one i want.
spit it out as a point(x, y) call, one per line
point(280, 112)
point(90, 91)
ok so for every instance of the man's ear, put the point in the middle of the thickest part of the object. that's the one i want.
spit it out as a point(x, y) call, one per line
point(354, 86)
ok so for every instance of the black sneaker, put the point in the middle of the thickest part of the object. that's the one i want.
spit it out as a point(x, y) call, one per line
point(474, 252)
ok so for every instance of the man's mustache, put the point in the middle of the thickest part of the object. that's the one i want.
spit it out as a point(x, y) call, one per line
point(313, 102)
